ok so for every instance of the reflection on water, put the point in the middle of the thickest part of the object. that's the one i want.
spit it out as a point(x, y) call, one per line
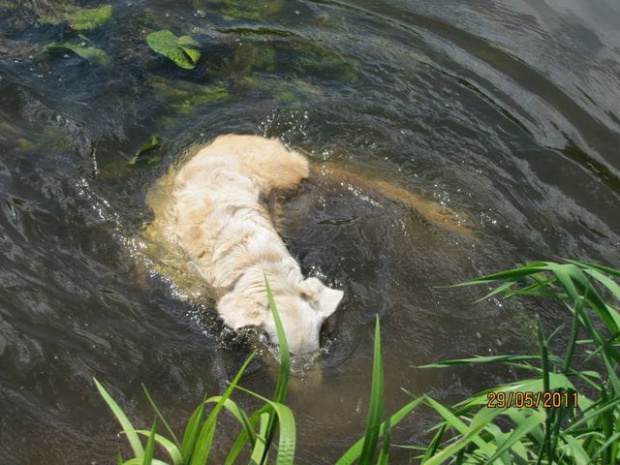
point(507, 113)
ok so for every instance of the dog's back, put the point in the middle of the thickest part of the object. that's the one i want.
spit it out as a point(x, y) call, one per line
point(218, 215)
point(269, 163)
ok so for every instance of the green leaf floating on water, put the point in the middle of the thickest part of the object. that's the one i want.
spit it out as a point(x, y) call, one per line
point(153, 143)
point(81, 19)
point(92, 54)
point(182, 50)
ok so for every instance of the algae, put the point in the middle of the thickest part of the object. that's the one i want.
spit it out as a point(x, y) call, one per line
point(79, 19)
point(90, 53)
point(150, 158)
point(182, 97)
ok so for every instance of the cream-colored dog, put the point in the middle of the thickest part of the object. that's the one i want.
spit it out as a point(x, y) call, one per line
point(217, 214)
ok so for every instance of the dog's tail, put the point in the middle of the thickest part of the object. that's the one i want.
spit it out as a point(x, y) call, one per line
point(267, 161)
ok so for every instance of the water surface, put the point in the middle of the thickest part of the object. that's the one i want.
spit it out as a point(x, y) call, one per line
point(505, 111)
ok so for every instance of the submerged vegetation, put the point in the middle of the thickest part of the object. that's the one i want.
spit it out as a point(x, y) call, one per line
point(227, 49)
point(564, 410)
point(79, 19)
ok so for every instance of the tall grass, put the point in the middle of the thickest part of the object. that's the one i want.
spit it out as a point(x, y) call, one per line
point(582, 428)
point(585, 433)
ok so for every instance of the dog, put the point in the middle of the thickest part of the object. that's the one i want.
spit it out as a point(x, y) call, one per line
point(218, 215)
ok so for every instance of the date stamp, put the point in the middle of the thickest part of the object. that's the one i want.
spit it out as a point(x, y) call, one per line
point(530, 399)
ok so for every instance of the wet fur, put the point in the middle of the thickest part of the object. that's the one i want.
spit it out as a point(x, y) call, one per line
point(218, 215)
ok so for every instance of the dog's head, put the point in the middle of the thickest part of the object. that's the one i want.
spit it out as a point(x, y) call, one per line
point(302, 311)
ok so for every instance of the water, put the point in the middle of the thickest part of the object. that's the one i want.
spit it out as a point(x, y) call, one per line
point(506, 112)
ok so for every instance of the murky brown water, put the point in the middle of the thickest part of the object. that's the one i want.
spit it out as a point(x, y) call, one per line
point(508, 112)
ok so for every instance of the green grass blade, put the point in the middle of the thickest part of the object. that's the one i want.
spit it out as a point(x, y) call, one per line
point(604, 269)
point(435, 442)
point(351, 455)
point(150, 445)
point(469, 433)
point(161, 417)
point(576, 451)
point(243, 437)
point(133, 438)
point(285, 358)
point(202, 448)
point(259, 450)
point(285, 365)
point(169, 446)
point(384, 453)
point(191, 432)
point(288, 430)
point(611, 441)
point(486, 359)
point(606, 281)
point(138, 461)
point(502, 288)
point(535, 419)
point(239, 414)
point(514, 274)
point(375, 409)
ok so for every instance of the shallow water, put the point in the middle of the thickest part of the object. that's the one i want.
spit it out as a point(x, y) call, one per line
point(506, 111)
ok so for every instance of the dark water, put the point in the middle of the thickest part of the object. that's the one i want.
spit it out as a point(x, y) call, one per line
point(506, 111)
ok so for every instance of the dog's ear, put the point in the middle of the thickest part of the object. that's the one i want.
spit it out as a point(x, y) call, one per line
point(238, 311)
point(326, 299)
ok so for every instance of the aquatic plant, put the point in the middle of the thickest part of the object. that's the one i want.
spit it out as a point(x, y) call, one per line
point(144, 155)
point(183, 51)
point(185, 97)
point(79, 19)
point(509, 424)
point(89, 53)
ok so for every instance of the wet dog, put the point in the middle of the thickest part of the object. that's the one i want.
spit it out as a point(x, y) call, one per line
point(217, 213)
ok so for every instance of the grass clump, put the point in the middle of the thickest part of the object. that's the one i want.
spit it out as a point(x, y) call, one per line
point(583, 427)
point(573, 413)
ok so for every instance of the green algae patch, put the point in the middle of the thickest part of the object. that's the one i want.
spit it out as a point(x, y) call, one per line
point(249, 56)
point(182, 97)
point(183, 51)
point(328, 65)
point(285, 92)
point(80, 19)
point(89, 18)
point(92, 54)
point(147, 153)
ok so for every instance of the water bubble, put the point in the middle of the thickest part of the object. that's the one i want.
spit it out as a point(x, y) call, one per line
point(200, 14)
